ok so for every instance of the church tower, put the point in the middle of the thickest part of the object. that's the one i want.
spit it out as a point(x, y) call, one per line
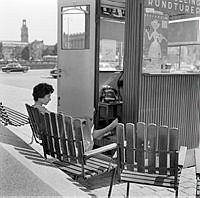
point(24, 32)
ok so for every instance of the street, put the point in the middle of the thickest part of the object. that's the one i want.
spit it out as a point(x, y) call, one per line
point(16, 88)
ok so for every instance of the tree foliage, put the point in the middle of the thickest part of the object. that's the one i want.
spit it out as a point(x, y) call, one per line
point(25, 53)
point(1, 50)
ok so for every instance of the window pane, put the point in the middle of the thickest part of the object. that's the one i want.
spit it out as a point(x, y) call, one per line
point(111, 55)
point(75, 27)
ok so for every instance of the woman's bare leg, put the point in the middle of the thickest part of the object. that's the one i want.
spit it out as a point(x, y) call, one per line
point(100, 132)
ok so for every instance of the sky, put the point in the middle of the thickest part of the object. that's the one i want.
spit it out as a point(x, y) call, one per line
point(40, 15)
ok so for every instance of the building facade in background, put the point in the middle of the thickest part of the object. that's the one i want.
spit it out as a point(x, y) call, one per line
point(12, 50)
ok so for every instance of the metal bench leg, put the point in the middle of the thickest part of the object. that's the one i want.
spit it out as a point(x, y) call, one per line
point(176, 194)
point(127, 191)
point(111, 183)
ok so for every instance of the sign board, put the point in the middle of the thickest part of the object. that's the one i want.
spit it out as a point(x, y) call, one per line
point(176, 8)
point(155, 40)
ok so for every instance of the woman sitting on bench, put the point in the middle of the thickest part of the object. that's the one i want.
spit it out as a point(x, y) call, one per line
point(42, 96)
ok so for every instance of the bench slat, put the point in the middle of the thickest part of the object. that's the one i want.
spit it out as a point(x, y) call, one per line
point(63, 149)
point(151, 144)
point(54, 132)
point(151, 181)
point(70, 136)
point(173, 146)
point(49, 134)
point(79, 139)
point(163, 145)
point(130, 134)
point(140, 146)
point(120, 141)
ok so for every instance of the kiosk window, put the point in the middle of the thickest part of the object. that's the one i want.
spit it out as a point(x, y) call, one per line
point(75, 27)
point(111, 55)
point(171, 37)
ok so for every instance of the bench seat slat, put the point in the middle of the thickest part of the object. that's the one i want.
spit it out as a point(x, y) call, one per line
point(154, 178)
point(142, 181)
point(100, 161)
point(146, 174)
point(89, 169)
point(78, 166)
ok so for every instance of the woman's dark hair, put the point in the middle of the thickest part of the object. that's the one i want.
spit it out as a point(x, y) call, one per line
point(42, 89)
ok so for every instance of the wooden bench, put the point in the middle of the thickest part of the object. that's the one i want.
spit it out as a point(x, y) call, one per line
point(197, 160)
point(62, 141)
point(149, 155)
point(10, 116)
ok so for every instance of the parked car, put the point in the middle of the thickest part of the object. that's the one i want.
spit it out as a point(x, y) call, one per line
point(15, 67)
point(54, 72)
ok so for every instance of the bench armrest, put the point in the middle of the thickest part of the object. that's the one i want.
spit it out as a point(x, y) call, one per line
point(182, 155)
point(197, 159)
point(100, 150)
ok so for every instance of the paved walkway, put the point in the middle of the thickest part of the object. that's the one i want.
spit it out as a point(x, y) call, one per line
point(24, 172)
point(99, 186)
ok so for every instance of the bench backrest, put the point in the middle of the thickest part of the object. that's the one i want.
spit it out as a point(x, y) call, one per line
point(150, 149)
point(35, 121)
point(64, 137)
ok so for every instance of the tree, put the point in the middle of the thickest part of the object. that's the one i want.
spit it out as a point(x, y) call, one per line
point(55, 49)
point(1, 50)
point(45, 52)
point(25, 53)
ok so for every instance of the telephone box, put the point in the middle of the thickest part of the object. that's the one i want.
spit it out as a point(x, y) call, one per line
point(90, 53)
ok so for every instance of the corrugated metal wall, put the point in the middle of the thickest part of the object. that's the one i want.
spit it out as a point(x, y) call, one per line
point(163, 99)
point(172, 100)
point(132, 59)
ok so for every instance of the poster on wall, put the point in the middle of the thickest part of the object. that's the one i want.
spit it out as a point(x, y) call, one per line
point(155, 41)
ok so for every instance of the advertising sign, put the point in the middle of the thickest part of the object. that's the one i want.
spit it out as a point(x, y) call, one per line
point(155, 40)
point(176, 8)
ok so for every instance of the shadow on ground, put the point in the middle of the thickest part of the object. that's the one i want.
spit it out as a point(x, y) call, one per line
point(8, 137)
